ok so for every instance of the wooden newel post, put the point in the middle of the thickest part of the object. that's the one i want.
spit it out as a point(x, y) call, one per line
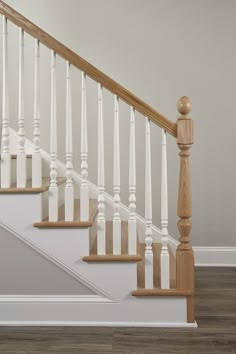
point(184, 253)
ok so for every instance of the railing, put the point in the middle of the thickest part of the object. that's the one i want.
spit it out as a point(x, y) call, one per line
point(182, 130)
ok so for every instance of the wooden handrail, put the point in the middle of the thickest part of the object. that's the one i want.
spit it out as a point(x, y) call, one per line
point(89, 69)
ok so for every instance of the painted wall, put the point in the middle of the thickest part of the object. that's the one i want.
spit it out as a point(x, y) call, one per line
point(25, 272)
point(160, 50)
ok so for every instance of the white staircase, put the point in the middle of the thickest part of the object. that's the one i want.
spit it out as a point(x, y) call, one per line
point(126, 261)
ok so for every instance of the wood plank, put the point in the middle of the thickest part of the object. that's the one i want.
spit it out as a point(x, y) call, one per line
point(89, 69)
point(62, 224)
point(112, 258)
point(161, 292)
point(28, 190)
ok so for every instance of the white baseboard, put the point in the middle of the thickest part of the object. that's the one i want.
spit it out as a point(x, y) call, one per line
point(98, 324)
point(215, 256)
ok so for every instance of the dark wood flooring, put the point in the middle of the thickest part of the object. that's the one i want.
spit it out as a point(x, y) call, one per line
point(215, 312)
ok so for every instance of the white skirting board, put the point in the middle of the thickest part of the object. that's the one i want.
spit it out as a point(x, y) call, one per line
point(93, 311)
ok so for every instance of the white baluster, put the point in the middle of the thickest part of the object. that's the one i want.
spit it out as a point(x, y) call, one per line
point(132, 223)
point(69, 188)
point(36, 157)
point(53, 189)
point(148, 210)
point(84, 191)
point(116, 182)
point(101, 222)
point(21, 155)
point(5, 144)
point(165, 268)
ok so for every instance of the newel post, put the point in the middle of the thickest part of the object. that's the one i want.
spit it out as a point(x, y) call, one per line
point(184, 253)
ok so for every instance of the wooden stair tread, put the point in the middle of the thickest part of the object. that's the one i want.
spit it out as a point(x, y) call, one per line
point(61, 223)
point(29, 189)
point(14, 156)
point(156, 266)
point(112, 258)
point(161, 292)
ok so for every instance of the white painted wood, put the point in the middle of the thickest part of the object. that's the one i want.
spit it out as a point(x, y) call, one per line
point(5, 143)
point(130, 313)
point(101, 222)
point(148, 209)
point(116, 181)
point(21, 155)
point(53, 189)
point(165, 261)
point(36, 155)
point(26, 323)
point(132, 222)
point(69, 188)
point(84, 190)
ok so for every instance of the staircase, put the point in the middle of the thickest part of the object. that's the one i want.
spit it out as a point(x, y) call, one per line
point(135, 275)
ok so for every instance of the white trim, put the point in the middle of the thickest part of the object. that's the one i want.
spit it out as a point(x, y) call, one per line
point(55, 261)
point(100, 324)
point(215, 256)
point(58, 299)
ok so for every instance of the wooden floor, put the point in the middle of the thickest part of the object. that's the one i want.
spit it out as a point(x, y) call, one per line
point(216, 316)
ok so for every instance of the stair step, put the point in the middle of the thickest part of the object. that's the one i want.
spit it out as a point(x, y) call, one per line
point(14, 156)
point(61, 223)
point(29, 189)
point(156, 266)
point(109, 239)
point(109, 257)
point(161, 292)
point(112, 258)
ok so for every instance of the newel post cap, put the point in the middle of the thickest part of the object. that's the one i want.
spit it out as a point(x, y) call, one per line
point(184, 122)
point(184, 105)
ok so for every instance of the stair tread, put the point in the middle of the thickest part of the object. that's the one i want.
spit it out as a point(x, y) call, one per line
point(28, 189)
point(161, 292)
point(76, 223)
point(62, 224)
point(112, 258)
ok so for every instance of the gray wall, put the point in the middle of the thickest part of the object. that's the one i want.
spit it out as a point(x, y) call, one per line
point(160, 50)
point(25, 272)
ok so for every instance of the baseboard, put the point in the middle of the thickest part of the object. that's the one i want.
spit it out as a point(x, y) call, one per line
point(98, 324)
point(215, 256)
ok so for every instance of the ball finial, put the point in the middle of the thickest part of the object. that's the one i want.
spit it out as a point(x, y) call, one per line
point(184, 105)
